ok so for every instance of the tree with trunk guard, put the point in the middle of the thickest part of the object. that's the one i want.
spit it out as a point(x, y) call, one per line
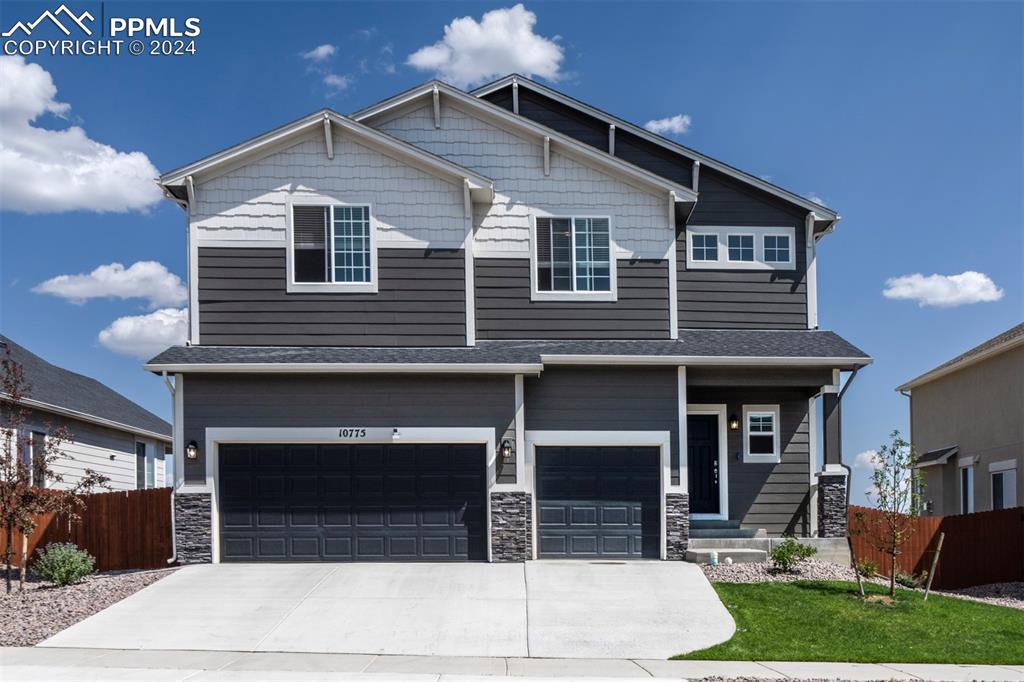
point(896, 488)
point(26, 469)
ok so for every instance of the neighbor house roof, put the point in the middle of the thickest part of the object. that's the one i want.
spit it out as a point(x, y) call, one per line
point(694, 347)
point(503, 117)
point(1011, 338)
point(937, 456)
point(822, 213)
point(55, 389)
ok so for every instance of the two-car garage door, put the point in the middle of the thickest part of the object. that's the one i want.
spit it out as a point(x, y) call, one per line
point(409, 502)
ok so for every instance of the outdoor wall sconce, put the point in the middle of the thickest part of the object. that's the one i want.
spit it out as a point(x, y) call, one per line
point(506, 451)
point(734, 423)
point(192, 450)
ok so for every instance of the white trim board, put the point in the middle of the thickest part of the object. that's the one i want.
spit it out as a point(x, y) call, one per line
point(719, 410)
point(348, 368)
point(758, 234)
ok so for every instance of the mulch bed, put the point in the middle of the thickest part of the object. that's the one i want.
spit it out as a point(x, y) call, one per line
point(43, 609)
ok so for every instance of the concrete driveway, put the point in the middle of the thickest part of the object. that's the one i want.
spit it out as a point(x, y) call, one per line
point(555, 609)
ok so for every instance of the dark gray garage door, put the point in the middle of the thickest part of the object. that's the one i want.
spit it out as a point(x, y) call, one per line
point(598, 502)
point(352, 502)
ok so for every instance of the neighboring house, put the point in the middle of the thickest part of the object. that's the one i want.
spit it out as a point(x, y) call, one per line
point(496, 325)
point(109, 433)
point(967, 423)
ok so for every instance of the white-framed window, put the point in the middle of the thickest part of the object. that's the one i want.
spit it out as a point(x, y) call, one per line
point(331, 247)
point(966, 485)
point(572, 258)
point(740, 248)
point(33, 457)
point(761, 434)
point(140, 465)
point(1004, 484)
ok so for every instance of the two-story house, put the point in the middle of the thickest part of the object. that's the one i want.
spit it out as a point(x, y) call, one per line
point(496, 325)
point(967, 425)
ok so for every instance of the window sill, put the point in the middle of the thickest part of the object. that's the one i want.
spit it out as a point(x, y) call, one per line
point(738, 265)
point(761, 459)
point(332, 288)
point(605, 296)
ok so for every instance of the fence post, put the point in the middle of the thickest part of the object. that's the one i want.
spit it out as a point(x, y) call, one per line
point(935, 563)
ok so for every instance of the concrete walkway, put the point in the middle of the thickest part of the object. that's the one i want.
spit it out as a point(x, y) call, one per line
point(546, 609)
point(196, 666)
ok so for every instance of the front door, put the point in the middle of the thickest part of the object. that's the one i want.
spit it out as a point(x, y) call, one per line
point(702, 463)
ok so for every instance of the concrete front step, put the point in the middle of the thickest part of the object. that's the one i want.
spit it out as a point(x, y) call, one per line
point(738, 556)
point(728, 533)
point(720, 544)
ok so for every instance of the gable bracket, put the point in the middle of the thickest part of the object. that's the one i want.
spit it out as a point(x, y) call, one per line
point(547, 155)
point(191, 188)
point(611, 139)
point(437, 107)
point(515, 96)
point(328, 137)
point(695, 182)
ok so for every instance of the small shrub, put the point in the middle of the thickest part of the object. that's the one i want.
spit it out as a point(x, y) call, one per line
point(788, 554)
point(63, 563)
point(910, 580)
point(867, 568)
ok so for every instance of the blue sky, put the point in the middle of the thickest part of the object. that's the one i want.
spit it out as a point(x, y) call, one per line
point(905, 117)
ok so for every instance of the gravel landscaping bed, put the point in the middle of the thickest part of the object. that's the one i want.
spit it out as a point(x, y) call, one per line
point(43, 610)
point(1001, 594)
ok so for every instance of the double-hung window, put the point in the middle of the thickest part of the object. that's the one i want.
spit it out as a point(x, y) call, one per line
point(1004, 484)
point(332, 248)
point(573, 256)
point(761, 433)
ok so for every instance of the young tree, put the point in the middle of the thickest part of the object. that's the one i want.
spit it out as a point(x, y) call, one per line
point(897, 487)
point(24, 464)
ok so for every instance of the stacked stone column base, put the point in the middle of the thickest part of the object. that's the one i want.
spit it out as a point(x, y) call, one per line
point(192, 533)
point(677, 526)
point(511, 526)
point(832, 505)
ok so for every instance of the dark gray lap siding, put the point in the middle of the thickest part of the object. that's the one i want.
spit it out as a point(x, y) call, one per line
point(605, 399)
point(296, 401)
point(243, 300)
point(504, 309)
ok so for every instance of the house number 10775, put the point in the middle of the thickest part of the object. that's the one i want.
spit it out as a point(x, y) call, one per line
point(352, 433)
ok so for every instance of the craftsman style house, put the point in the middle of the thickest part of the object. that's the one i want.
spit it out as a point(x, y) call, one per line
point(497, 325)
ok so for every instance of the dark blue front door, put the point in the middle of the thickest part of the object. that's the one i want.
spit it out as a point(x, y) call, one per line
point(702, 463)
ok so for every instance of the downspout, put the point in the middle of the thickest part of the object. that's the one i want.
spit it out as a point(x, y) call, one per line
point(174, 530)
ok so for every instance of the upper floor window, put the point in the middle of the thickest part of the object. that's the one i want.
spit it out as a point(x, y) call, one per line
point(331, 248)
point(740, 248)
point(573, 257)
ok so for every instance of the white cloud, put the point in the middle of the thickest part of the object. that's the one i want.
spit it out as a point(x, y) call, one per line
point(944, 291)
point(52, 171)
point(816, 199)
point(866, 460)
point(502, 42)
point(337, 83)
point(673, 125)
point(320, 53)
point(145, 279)
point(143, 336)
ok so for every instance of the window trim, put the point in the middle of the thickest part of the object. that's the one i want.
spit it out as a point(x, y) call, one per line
point(757, 231)
point(968, 464)
point(611, 295)
point(145, 456)
point(690, 234)
point(294, 287)
point(761, 458)
point(1008, 469)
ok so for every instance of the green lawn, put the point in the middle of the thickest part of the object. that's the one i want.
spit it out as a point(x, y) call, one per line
point(827, 621)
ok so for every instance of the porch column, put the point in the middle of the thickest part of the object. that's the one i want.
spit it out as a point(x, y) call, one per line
point(677, 498)
point(832, 481)
point(512, 504)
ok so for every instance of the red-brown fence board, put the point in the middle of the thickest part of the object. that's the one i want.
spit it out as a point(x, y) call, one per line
point(124, 529)
point(980, 548)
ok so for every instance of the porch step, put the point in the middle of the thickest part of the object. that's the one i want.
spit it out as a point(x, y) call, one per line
point(736, 532)
point(723, 544)
point(738, 556)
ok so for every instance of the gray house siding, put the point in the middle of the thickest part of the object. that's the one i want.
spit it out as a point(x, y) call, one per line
point(605, 399)
point(243, 301)
point(376, 401)
point(770, 496)
point(504, 309)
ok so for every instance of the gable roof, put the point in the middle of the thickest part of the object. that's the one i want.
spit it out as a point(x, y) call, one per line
point(822, 213)
point(55, 389)
point(274, 139)
point(937, 456)
point(1001, 343)
point(503, 117)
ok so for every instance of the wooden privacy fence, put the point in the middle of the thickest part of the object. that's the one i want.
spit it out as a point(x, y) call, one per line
point(124, 529)
point(980, 548)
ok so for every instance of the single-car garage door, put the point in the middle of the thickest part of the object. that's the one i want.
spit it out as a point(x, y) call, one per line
point(598, 502)
point(352, 502)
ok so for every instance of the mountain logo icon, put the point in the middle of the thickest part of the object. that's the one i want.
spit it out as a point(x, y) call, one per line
point(69, 16)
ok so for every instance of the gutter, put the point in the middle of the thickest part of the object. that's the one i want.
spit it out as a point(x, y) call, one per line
point(174, 529)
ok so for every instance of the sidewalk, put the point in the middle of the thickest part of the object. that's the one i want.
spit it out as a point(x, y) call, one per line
point(197, 666)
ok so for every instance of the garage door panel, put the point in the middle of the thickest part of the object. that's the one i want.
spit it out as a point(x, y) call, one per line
point(352, 502)
point(595, 502)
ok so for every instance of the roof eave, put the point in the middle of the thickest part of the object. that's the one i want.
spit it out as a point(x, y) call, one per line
point(93, 419)
point(942, 371)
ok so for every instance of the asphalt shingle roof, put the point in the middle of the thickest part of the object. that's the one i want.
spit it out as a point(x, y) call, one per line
point(998, 340)
point(53, 385)
point(939, 454)
point(695, 342)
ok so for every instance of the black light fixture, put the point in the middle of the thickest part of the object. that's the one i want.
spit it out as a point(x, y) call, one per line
point(506, 450)
point(192, 450)
point(734, 422)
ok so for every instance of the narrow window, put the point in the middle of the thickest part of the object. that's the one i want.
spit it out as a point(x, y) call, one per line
point(573, 254)
point(966, 489)
point(776, 248)
point(151, 471)
point(741, 247)
point(761, 433)
point(140, 465)
point(997, 490)
point(39, 459)
point(705, 247)
point(1004, 489)
point(331, 244)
